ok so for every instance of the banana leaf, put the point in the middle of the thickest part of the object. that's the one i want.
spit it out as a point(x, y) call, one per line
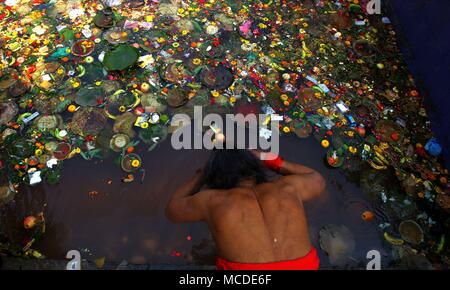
point(122, 57)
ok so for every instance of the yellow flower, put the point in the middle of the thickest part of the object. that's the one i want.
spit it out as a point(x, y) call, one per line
point(75, 84)
point(215, 94)
point(286, 129)
point(122, 109)
point(144, 125)
point(61, 98)
point(175, 44)
point(232, 100)
point(77, 150)
point(350, 133)
point(352, 149)
point(284, 97)
point(286, 103)
point(135, 163)
point(38, 152)
point(262, 25)
point(196, 61)
point(71, 108)
point(184, 32)
point(325, 143)
point(60, 71)
point(97, 83)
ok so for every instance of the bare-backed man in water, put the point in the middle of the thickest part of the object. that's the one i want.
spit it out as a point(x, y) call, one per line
point(256, 223)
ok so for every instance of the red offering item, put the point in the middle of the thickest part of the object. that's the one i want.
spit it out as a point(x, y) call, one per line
point(274, 162)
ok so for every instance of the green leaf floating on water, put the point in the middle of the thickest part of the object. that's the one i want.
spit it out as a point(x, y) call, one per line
point(197, 26)
point(62, 106)
point(121, 57)
point(67, 34)
point(89, 96)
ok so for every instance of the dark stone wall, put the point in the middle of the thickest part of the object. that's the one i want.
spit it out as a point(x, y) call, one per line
point(423, 28)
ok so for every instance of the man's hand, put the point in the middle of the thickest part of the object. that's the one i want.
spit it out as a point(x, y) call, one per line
point(261, 155)
point(308, 182)
point(272, 161)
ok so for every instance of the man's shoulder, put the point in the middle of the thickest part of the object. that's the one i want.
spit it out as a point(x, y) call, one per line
point(282, 184)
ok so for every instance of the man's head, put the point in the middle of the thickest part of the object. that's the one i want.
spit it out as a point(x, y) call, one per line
point(227, 167)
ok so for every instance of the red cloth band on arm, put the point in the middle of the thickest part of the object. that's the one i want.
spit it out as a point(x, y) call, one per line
point(274, 164)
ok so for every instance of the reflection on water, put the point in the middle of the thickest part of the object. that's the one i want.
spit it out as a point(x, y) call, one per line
point(93, 211)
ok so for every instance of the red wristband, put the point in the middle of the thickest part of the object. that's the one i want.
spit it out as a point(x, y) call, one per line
point(274, 164)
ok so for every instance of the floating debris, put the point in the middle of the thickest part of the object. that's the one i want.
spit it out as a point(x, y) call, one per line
point(131, 162)
point(338, 242)
point(129, 178)
point(99, 77)
point(411, 232)
point(116, 35)
point(7, 112)
point(119, 142)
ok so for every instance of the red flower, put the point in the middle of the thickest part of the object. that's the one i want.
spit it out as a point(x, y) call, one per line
point(216, 42)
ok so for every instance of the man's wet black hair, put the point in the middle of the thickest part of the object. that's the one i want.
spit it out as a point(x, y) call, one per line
point(227, 167)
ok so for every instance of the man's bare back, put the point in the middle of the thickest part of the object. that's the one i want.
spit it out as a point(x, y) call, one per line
point(254, 223)
point(269, 213)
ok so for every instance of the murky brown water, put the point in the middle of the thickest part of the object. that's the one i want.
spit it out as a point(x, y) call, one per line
point(93, 211)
